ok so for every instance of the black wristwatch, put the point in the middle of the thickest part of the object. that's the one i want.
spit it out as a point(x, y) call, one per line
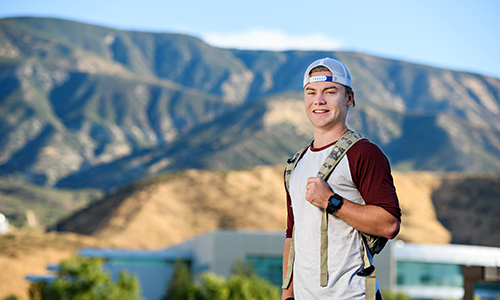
point(334, 203)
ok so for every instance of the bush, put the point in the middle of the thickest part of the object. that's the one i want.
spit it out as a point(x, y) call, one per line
point(84, 279)
point(12, 297)
point(214, 287)
point(390, 295)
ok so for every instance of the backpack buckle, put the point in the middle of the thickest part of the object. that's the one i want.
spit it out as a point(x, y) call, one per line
point(367, 271)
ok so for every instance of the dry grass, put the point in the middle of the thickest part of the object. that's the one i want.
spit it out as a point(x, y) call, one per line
point(24, 253)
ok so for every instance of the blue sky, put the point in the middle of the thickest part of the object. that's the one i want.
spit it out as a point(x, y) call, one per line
point(458, 35)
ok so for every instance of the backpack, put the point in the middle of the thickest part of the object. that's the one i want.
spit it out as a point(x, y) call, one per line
point(372, 244)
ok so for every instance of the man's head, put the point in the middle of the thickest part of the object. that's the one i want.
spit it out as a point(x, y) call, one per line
point(340, 74)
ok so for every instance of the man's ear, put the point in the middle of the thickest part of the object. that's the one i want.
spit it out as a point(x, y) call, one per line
point(350, 99)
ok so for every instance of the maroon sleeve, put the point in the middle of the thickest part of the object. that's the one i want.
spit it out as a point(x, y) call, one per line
point(371, 173)
point(289, 219)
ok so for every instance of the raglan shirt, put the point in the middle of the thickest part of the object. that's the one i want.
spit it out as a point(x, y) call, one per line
point(362, 176)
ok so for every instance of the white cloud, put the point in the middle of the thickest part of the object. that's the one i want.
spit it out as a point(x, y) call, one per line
point(261, 39)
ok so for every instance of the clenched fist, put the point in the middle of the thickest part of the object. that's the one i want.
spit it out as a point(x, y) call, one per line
point(318, 192)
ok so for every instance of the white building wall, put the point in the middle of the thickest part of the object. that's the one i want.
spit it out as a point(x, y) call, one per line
point(4, 224)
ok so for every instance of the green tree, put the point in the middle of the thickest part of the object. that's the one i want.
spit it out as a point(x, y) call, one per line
point(214, 287)
point(180, 286)
point(242, 287)
point(390, 295)
point(84, 279)
point(241, 267)
point(12, 297)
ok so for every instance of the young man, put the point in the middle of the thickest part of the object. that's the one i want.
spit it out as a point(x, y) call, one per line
point(359, 195)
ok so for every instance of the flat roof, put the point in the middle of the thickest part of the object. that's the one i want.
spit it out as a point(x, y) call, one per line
point(112, 253)
point(448, 254)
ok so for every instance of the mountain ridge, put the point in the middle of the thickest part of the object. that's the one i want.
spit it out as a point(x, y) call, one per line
point(77, 99)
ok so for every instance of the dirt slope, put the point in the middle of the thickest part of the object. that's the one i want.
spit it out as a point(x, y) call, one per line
point(25, 253)
point(468, 206)
point(170, 209)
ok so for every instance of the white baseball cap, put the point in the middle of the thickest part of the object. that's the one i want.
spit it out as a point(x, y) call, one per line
point(340, 74)
point(339, 71)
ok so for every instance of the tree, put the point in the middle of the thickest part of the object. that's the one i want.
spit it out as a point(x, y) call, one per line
point(241, 267)
point(390, 295)
point(82, 278)
point(214, 287)
point(12, 297)
point(180, 287)
point(243, 287)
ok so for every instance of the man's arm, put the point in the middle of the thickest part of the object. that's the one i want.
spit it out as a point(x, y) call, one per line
point(370, 219)
point(288, 292)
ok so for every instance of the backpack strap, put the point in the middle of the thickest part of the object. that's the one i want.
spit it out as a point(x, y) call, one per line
point(369, 273)
point(346, 141)
point(291, 164)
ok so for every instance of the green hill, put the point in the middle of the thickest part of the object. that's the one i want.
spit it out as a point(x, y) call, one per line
point(89, 106)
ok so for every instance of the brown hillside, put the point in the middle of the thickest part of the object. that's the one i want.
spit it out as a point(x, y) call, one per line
point(170, 209)
point(419, 222)
point(25, 253)
point(468, 206)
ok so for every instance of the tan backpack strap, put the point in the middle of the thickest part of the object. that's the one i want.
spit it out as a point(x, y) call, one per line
point(291, 259)
point(346, 141)
point(324, 249)
point(369, 273)
point(291, 164)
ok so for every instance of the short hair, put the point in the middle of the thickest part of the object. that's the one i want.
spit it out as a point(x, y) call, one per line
point(317, 69)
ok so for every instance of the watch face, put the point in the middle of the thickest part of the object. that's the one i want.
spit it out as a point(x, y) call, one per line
point(336, 200)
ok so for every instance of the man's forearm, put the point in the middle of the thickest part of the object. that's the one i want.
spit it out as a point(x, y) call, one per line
point(369, 219)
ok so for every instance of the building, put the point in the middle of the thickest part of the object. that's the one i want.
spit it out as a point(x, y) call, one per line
point(4, 224)
point(446, 271)
point(213, 252)
point(422, 271)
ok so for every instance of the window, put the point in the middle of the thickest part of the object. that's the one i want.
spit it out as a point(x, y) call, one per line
point(429, 274)
point(267, 267)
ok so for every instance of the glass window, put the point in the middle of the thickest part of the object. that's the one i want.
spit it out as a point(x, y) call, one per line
point(267, 267)
point(429, 274)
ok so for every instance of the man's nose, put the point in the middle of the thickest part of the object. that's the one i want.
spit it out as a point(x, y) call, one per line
point(319, 100)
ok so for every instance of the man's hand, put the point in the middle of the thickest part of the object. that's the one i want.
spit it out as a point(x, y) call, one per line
point(318, 192)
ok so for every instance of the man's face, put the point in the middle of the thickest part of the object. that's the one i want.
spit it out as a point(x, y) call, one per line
point(326, 103)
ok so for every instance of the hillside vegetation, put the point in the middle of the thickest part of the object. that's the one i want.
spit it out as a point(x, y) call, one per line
point(87, 106)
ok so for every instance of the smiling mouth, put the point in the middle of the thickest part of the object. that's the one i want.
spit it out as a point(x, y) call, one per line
point(320, 111)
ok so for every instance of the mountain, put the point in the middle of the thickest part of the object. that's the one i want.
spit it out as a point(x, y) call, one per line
point(164, 210)
point(31, 205)
point(87, 106)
